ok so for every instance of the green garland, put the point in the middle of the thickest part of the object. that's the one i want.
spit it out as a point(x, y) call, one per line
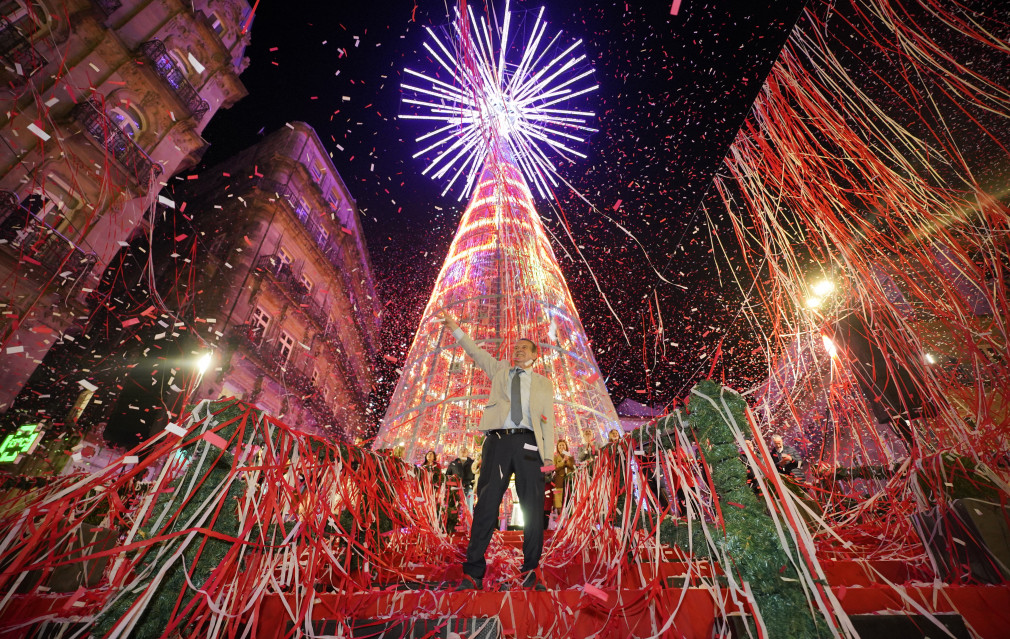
point(750, 539)
point(948, 476)
point(158, 614)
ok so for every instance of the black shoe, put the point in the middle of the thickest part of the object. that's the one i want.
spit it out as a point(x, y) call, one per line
point(530, 582)
point(469, 583)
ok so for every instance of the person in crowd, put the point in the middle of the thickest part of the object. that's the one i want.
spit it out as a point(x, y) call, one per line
point(787, 461)
point(462, 468)
point(589, 451)
point(564, 466)
point(432, 469)
point(518, 423)
point(548, 496)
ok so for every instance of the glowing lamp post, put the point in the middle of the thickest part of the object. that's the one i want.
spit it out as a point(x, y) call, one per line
point(203, 364)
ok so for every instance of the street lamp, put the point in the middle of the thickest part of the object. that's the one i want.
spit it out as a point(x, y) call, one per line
point(823, 288)
point(829, 346)
point(203, 363)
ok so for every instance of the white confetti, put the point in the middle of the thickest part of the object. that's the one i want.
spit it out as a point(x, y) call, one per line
point(39, 132)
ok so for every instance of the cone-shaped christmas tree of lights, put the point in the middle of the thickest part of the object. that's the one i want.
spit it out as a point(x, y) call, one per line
point(500, 279)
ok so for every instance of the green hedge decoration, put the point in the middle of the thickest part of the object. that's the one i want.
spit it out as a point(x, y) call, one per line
point(158, 614)
point(749, 539)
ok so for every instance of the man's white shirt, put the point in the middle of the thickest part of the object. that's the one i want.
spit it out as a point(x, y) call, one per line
point(525, 383)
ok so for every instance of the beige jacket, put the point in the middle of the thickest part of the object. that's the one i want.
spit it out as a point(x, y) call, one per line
point(498, 406)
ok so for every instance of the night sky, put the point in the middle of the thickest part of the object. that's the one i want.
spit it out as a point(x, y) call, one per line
point(673, 91)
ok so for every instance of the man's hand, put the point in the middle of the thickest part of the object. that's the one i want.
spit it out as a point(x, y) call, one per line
point(448, 320)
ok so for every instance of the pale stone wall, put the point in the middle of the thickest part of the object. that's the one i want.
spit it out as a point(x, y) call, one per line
point(96, 202)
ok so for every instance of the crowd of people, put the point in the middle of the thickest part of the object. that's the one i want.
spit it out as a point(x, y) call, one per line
point(670, 493)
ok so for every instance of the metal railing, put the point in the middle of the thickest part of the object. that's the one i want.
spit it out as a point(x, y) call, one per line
point(173, 76)
point(325, 241)
point(17, 52)
point(96, 122)
point(38, 244)
point(268, 357)
point(285, 278)
point(327, 244)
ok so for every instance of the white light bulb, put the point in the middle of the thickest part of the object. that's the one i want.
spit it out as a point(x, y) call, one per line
point(203, 363)
point(823, 288)
point(829, 346)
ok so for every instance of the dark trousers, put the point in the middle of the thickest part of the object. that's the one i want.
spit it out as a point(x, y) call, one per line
point(501, 456)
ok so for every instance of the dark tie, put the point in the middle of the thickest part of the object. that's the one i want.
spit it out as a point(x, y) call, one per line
point(517, 398)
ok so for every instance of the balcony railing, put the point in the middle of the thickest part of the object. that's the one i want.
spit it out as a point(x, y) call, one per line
point(173, 76)
point(108, 7)
point(326, 242)
point(268, 357)
point(37, 244)
point(91, 116)
point(17, 52)
point(284, 277)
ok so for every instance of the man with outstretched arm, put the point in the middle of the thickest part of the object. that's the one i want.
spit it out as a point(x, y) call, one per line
point(518, 426)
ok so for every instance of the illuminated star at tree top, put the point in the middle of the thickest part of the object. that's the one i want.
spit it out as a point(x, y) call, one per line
point(503, 96)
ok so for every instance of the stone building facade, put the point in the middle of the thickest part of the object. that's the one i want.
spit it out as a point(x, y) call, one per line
point(287, 292)
point(102, 101)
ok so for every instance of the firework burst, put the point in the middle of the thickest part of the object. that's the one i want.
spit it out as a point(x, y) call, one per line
point(506, 89)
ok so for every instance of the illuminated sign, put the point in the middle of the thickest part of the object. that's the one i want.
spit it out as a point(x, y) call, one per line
point(22, 441)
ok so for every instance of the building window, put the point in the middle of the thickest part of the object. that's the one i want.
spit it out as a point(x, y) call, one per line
point(287, 344)
point(57, 199)
point(306, 282)
point(316, 169)
point(30, 18)
point(333, 199)
point(217, 24)
point(127, 118)
point(260, 323)
point(180, 61)
point(315, 377)
point(284, 258)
